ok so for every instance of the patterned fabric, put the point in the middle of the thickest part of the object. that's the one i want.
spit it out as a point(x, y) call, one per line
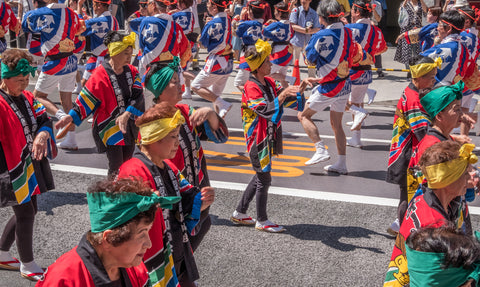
point(104, 97)
point(97, 29)
point(34, 45)
point(190, 159)
point(160, 39)
point(454, 56)
point(8, 20)
point(261, 117)
point(185, 19)
point(425, 36)
point(19, 182)
point(280, 33)
point(423, 211)
point(371, 39)
point(248, 32)
point(409, 127)
point(334, 51)
point(404, 51)
point(471, 41)
point(57, 26)
point(217, 38)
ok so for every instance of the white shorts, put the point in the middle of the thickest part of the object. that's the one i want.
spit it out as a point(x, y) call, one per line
point(283, 70)
point(241, 78)
point(319, 102)
point(213, 82)
point(358, 93)
point(47, 83)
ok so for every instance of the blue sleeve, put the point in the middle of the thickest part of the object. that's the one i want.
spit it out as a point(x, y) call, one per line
point(204, 38)
point(135, 24)
point(194, 217)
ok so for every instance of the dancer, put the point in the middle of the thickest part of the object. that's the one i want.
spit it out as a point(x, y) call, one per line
point(333, 84)
point(115, 96)
point(262, 110)
point(57, 26)
point(26, 140)
point(216, 38)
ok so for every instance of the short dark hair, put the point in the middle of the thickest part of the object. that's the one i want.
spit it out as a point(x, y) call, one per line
point(219, 4)
point(460, 250)
point(455, 18)
point(419, 59)
point(361, 7)
point(113, 36)
point(257, 11)
point(469, 14)
point(123, 232)
point(436, 11)
point(327, 8)
point(283, 6)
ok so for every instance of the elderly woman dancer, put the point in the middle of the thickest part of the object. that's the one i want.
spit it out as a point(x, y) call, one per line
point(26, 138)
point(200, 124)
point(409, 127)
point(262, 109)
point(446, 167)
point(110, 254)
point(159, 130)
point(115, 96)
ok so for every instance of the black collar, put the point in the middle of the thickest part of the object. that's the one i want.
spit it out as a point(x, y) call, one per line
point(432, 200)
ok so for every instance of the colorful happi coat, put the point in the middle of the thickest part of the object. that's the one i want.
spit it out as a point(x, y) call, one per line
point(107, 96)
point(8, 21)
point(454, 56)
point(160, 39)
point(334, 51)
point(185, 19)
point(182, 219)
point(189, 158)
point(410, 125)
point(34, 45)
point(471, 41)
point(423, 211)
point(425, 36)
point(18, 181)
point(261, 117)
point(81, 266)
point(96, 29)
point(280, 33)
point(217, 38)
point(57, 25)
point(371, 39)
point(249, 32)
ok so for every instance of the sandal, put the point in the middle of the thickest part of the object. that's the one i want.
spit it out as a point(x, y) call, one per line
point(269, 226)
point(32, 276)
point(10, 265)
point(241, 219)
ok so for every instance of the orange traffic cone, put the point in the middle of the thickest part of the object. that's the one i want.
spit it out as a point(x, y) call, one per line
point(296, 73)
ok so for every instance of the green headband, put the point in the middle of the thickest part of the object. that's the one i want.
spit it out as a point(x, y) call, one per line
point(161, 78)
point(110, 211)
point(23, 67)
point(425, 269)
point(438, 99)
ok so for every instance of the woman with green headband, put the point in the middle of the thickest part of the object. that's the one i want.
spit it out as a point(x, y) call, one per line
point(446, 166)
point(443, 257)
point(26, 140)
point(180, 227)
point(121, 215)
point(115, 97)
point(262, 110)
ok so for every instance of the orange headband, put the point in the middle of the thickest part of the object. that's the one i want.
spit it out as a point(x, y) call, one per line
point(281, 10)
point(476, 12)
point(367, 7)
point(224, 4)
point(451, 25)
point(341, 14)
point(261, 6)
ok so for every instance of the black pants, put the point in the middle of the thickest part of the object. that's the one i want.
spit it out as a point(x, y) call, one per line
point(20, 229)
point(117, 155)
point(258, 187)
point(403, 204)
point(204, 226)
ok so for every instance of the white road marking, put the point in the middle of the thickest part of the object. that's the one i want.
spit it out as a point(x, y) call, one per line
point(303, 193)
point(322, 136)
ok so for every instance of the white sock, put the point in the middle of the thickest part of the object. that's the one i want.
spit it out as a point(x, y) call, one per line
point(342, 160)
point(319, 144)
point(30, 267)
point(5, 256)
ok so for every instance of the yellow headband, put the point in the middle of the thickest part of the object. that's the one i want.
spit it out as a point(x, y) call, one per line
point(445, 173)
point(116, 48)
point(156, 130)
point(421, 70)
point(263, 49)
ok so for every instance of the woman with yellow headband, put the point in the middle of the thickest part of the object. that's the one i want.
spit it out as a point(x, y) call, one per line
point(446, 167)
point(26, 140)
point(262, 110)
point(114, 95)
point(409, 127)
point(159, 130)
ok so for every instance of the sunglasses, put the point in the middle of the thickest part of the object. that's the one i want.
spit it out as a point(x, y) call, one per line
point(143, 5)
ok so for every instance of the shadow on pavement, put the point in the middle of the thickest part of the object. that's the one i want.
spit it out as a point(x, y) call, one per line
point(332, 235)
point(376, 147)
point(381, 114)
point(52, 199)
point(88, 150)
point(371, 174)
point(377, 127)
